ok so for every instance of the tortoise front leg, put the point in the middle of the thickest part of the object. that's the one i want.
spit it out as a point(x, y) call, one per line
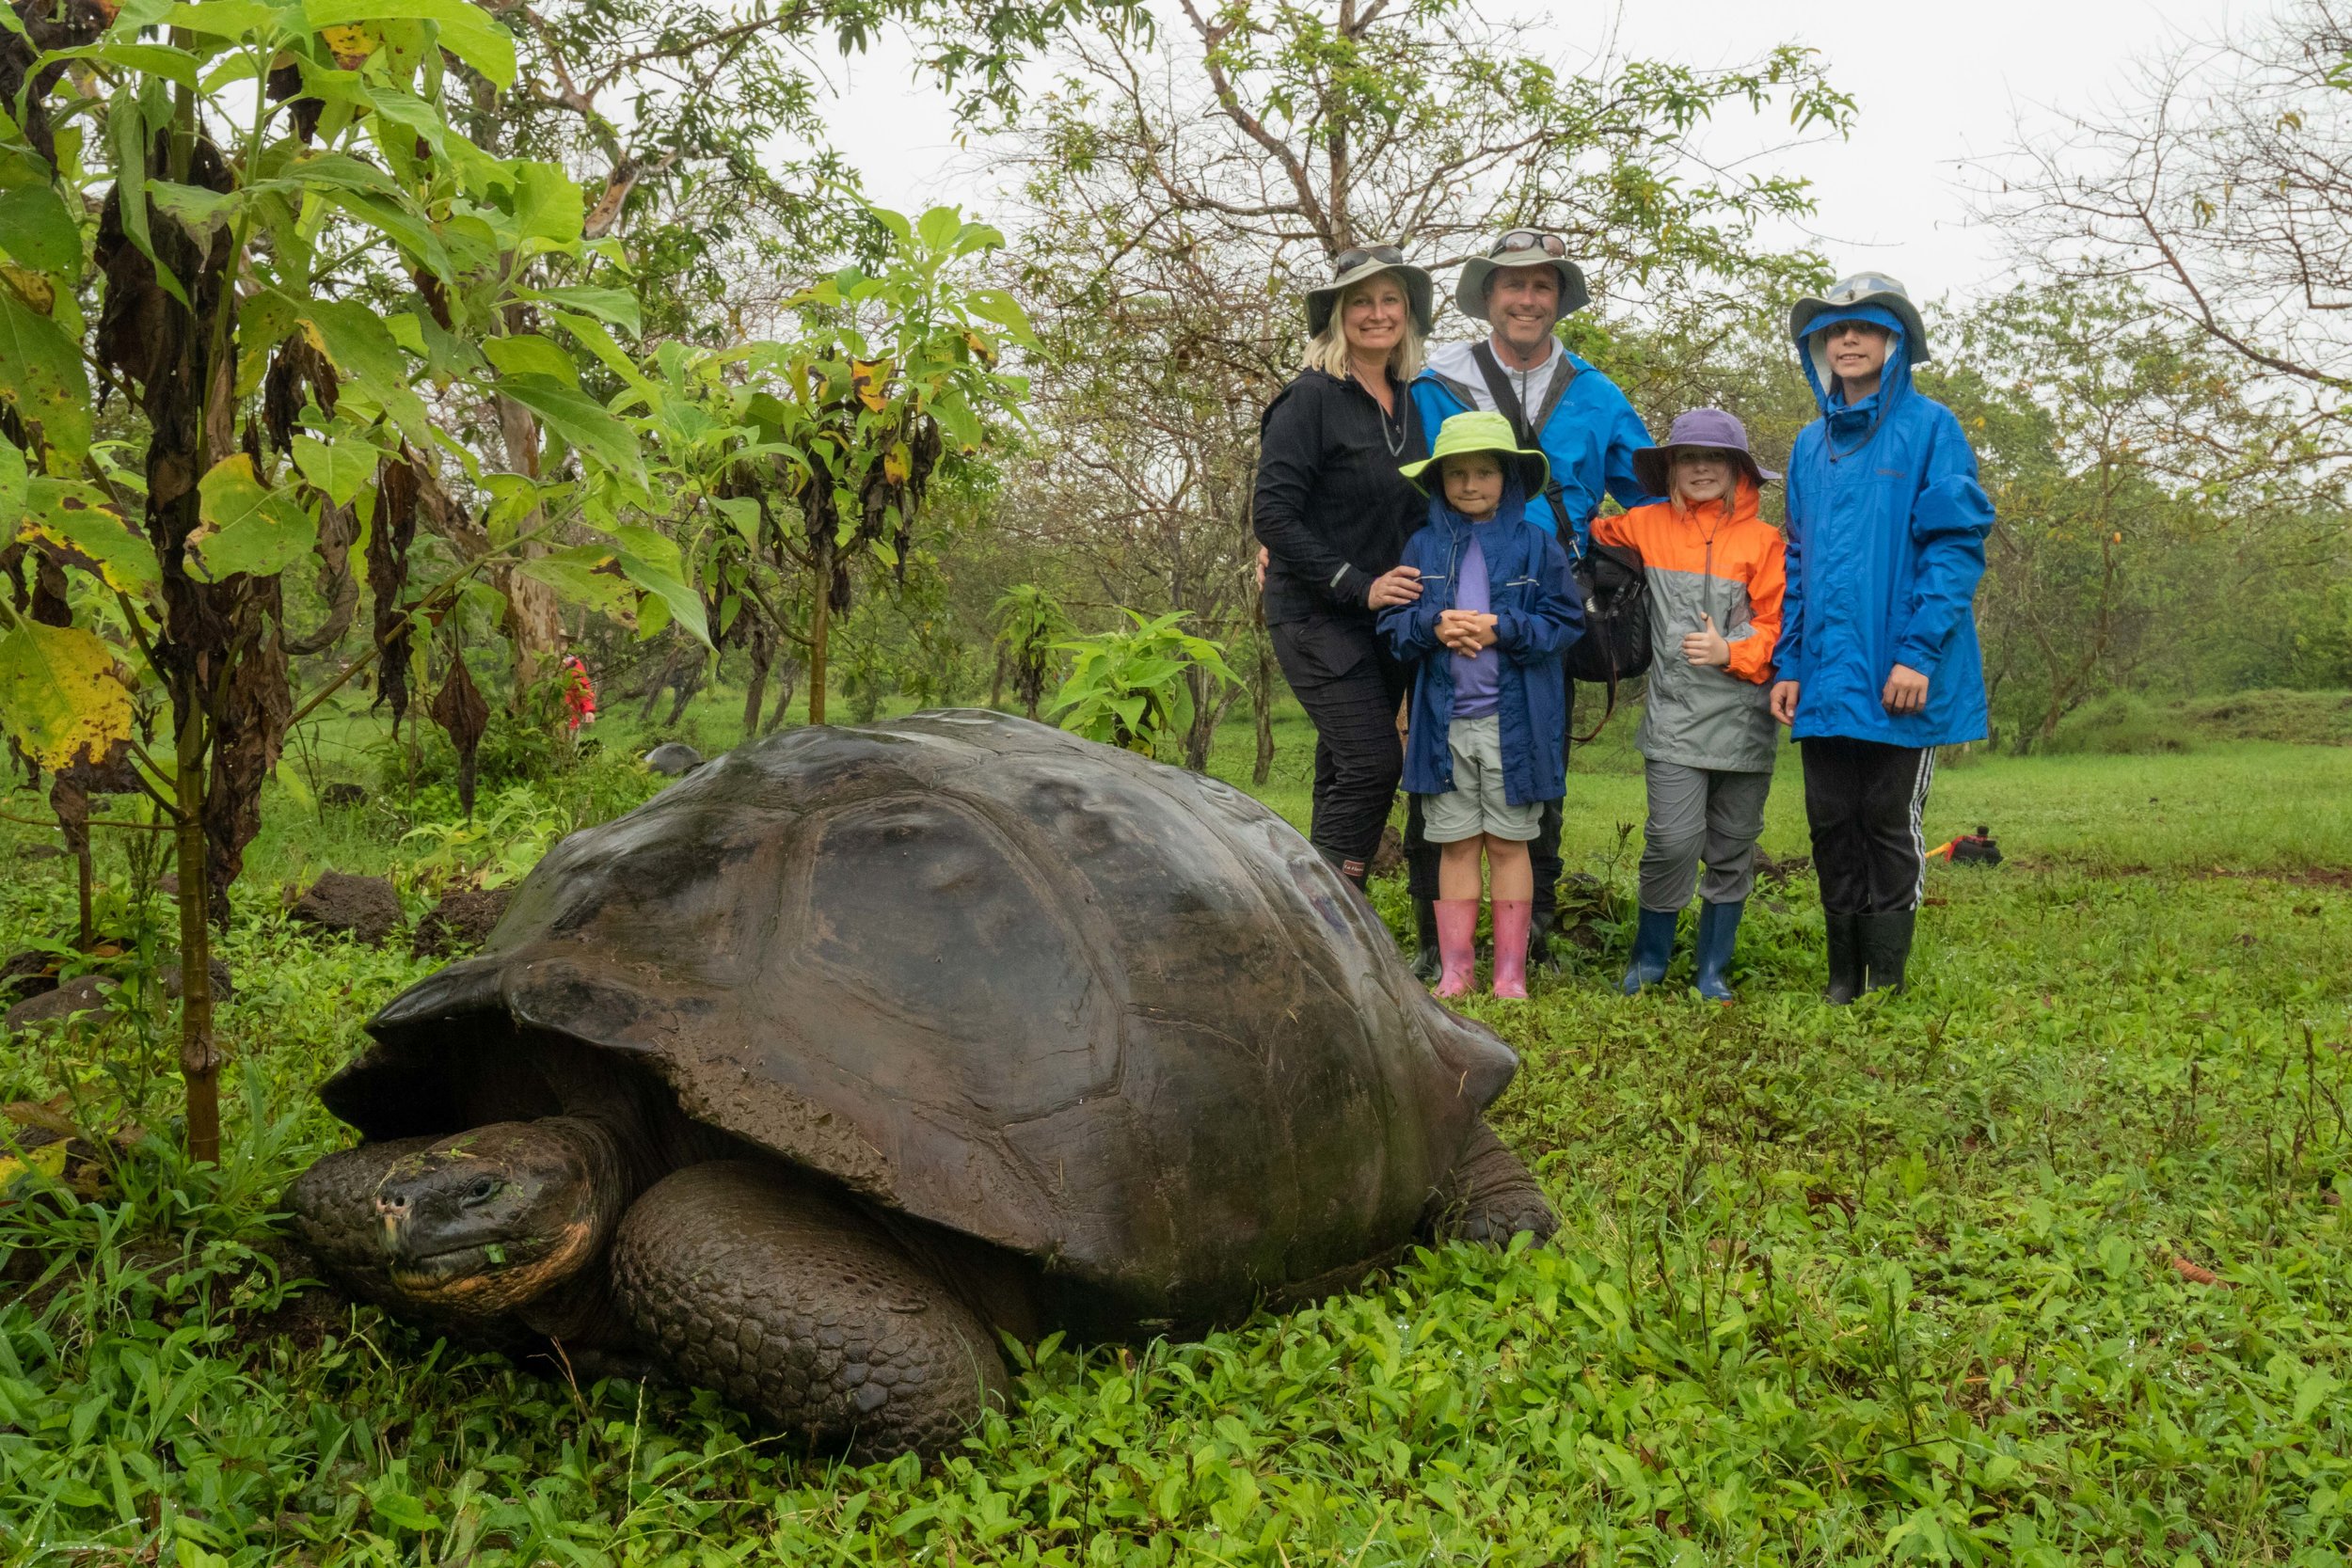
point(1490, 1195)
point(801, 1308)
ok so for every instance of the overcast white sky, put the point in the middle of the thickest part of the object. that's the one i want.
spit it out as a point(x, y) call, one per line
point(1935, 84)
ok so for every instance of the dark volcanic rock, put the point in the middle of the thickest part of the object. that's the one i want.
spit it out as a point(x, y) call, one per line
point(362, 908)
point(28, 974)
point(82, 994)
point(343, 796)
point(460, 923)
point(673, 758)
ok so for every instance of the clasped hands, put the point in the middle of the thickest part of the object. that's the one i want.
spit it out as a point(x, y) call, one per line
point(1466, 631)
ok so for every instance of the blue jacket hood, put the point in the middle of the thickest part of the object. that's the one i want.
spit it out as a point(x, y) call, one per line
point(1852, 422)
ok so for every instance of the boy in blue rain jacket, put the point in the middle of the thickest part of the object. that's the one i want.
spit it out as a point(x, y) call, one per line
point(1878, 659)
point(1489, 714)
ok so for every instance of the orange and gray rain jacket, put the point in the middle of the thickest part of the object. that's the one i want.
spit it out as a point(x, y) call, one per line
point(1732, 569)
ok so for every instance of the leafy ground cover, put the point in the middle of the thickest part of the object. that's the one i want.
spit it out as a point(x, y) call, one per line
point(2044, 1262)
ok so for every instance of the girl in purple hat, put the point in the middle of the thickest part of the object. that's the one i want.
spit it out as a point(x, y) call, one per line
point(1716, 572)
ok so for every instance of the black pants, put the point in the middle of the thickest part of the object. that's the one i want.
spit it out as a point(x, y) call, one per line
point(1864, 800)
point(1543, 851)
point(1350, 688)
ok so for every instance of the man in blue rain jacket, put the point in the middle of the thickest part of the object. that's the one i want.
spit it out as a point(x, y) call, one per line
point(1521, 290)
point(1878, 659)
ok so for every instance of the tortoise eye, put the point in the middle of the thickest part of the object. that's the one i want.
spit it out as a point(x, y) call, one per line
point(483, 1189)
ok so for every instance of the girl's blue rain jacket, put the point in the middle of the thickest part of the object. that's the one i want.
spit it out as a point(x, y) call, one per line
point(1536, 618)
point(1886, 533)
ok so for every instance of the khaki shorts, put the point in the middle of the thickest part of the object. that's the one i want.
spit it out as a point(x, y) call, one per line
point(1476, 804)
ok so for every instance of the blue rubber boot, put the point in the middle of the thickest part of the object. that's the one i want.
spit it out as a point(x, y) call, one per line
point(1719, 927)
point(1653, 949)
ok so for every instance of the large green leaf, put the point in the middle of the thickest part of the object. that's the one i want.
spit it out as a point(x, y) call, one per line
point(585, 575)
point(245, 526)
point(467, 31)
point(36, 231)
point(618, 306)
point(580, 420)
point(60, 698)
point(41, 373)
point(548, 206)
point(341, 470)
point(362, 348)
point(528, 353)
point(684, 604)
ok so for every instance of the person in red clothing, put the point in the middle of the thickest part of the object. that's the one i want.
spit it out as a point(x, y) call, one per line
point(1716, 571)
point(579, 695)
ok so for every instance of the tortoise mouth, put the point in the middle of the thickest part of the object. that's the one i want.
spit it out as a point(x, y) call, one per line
point(491, 1275)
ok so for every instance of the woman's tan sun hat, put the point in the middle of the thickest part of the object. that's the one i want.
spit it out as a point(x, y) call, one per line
point(1359, 263)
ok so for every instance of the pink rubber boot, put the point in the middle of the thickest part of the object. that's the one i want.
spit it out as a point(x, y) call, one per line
point(1512, 918)
point(1458, 944)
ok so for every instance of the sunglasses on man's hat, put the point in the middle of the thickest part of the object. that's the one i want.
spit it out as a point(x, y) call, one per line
point(1519, 240)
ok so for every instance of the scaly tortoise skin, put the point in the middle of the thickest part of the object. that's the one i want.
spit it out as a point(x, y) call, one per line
point(859, 1044)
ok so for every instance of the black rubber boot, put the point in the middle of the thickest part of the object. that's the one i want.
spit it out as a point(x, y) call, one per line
point(1541, 955)
point(1845, 957)
point(1886, 949)
point(1427, 966)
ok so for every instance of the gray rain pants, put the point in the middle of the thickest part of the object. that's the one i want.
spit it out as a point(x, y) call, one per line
point(1700, 813)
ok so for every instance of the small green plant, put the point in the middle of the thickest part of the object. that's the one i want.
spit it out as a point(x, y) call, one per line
point(1128, 687)
point(1030, 626)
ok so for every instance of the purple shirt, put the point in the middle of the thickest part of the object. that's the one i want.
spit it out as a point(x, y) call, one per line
point(1475, 680)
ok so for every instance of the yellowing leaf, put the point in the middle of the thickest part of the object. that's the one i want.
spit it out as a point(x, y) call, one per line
point(77, 521)
point(41, 372)
point(49, 1159)
point(352, 42)
point(60, 697)
point(870, 378)
point(897, 462)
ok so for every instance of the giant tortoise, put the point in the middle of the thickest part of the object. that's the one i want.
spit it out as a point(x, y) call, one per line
point(860, 1045)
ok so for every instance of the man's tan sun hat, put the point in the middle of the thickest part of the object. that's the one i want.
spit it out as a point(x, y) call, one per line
point(1481, 431)
point(1357, 263)
point(1522, 248)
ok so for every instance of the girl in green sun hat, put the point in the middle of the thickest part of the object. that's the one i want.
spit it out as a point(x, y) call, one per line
point(1489, 709)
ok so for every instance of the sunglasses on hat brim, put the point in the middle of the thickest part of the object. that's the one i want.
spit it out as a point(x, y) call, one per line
point(1519, 240)
point(1365, 255)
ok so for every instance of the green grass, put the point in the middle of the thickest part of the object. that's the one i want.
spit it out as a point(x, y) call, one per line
point(1895, 1283)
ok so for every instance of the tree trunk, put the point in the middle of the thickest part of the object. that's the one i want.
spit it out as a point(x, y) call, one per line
point(535, 619)
point(819, 627)
point(996, 683)
point(1262, 694)
point(199, 1053)
point(756, 689)
point(788, 669)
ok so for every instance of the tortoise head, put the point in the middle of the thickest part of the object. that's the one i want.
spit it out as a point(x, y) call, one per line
point(492, 1218)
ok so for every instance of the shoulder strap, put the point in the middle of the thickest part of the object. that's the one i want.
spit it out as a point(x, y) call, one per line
point(1507, 404)
point(1506, 400)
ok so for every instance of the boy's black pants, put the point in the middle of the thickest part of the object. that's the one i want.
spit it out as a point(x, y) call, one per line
point(1864, 800)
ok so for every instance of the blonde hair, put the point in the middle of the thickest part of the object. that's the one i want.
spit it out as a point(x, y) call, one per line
point(1729, 500)
point(1327, 350)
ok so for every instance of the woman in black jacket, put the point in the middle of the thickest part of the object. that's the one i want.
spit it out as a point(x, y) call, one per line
point(1333, 512)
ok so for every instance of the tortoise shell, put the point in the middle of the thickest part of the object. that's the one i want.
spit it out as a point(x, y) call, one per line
point(1115, 1016)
